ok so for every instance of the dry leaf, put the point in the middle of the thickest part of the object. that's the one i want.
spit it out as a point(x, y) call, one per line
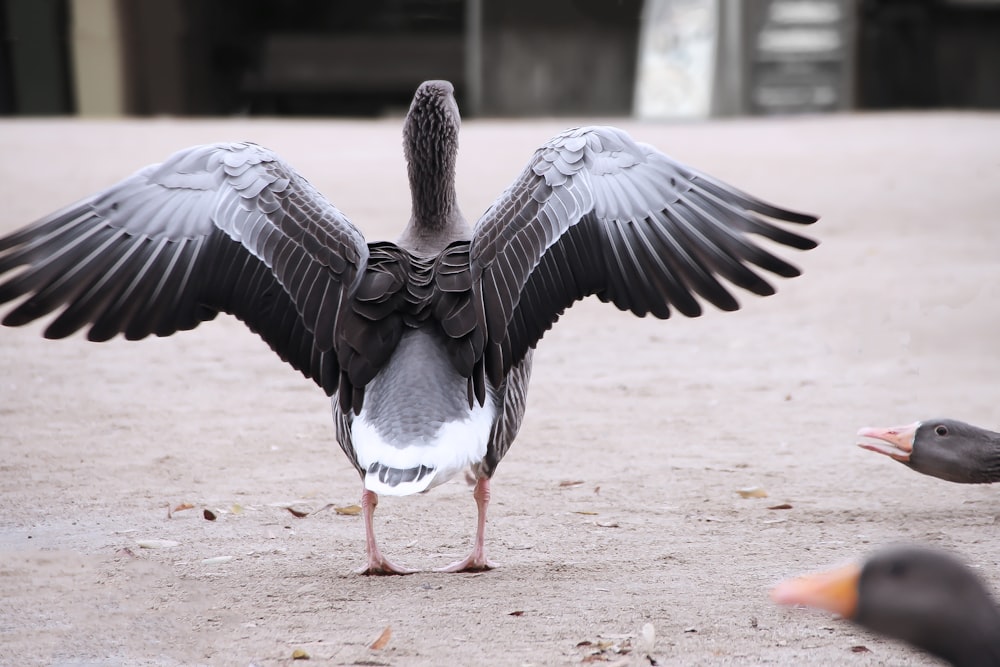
point(349, 510)
point(179, 508)
point(382, 640)
point(516, 613)
point(597, 489)
point(752, 492)
point(585, 642)
point(570, 482)
point(585, 512)
point(860, 649)
point(782, 506)
point(607, 524)
point(236, 509)
point(299, 654)
point(209, 515)
point(298, 514)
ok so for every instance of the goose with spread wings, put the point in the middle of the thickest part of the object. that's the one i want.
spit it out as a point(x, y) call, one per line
point(425, 343)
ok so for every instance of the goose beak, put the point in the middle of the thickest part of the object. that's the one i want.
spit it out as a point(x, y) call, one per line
point(835, 590)
point(895, 442)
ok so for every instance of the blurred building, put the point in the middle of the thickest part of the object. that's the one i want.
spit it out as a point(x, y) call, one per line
point(658, 58)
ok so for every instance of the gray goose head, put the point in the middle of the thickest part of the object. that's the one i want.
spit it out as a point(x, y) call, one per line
point(944, 448)
point(924, 597)
point(430, 143)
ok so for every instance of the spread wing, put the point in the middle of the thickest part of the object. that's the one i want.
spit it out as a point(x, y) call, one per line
point(595, 212)
point(221, 227)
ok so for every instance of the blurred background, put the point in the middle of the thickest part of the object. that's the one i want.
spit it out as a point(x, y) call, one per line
point(648, 58)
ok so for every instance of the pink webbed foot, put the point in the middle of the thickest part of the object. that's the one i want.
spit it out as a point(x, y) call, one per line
point(377, 563)
point(477, 560)
point(474, 562)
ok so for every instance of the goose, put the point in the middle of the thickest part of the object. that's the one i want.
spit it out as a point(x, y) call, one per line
point(944, 448)
point(424, 344)
point(925, 597)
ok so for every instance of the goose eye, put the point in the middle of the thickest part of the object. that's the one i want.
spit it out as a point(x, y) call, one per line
point(941, 429)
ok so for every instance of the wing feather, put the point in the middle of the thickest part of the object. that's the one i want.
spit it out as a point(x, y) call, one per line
point(222, 227)
point(594, 212)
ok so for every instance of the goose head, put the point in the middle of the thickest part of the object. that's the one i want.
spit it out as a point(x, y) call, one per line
point(430, 142)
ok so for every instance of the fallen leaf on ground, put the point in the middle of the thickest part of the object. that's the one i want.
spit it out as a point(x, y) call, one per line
point(570, 482)
point(585, 512)
point(349, 510)
point(752, 492)
point(860, 649)
point(382, 640)
point(782, 506)
point(156, 544)
point(299, 654)
point(209, 514)
point(179, 508)
point(298, 514)
point(607, 524)
point(516, 613)
point(236, 509)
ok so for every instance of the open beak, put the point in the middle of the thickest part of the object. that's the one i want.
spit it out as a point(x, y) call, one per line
point(835, 590)
point(895, 442)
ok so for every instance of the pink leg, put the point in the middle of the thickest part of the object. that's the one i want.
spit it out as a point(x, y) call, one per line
point(477, 560)
point(377, 563)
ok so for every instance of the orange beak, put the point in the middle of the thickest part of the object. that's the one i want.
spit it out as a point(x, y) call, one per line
point(836, 590)
point(895, 442)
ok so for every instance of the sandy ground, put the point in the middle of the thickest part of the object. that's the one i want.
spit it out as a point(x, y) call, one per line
point(895, 319)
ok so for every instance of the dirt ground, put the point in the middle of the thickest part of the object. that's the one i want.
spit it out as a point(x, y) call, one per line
point(896, 318)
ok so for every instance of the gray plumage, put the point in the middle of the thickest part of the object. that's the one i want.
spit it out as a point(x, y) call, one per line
point(232, 228)
point(933, 601)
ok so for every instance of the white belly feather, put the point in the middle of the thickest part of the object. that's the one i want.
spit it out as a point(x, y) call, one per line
point(416, 414)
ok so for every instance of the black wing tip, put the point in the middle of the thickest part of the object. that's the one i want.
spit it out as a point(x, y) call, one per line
point(796, 217)
point(806, 243)
point(14, 319)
